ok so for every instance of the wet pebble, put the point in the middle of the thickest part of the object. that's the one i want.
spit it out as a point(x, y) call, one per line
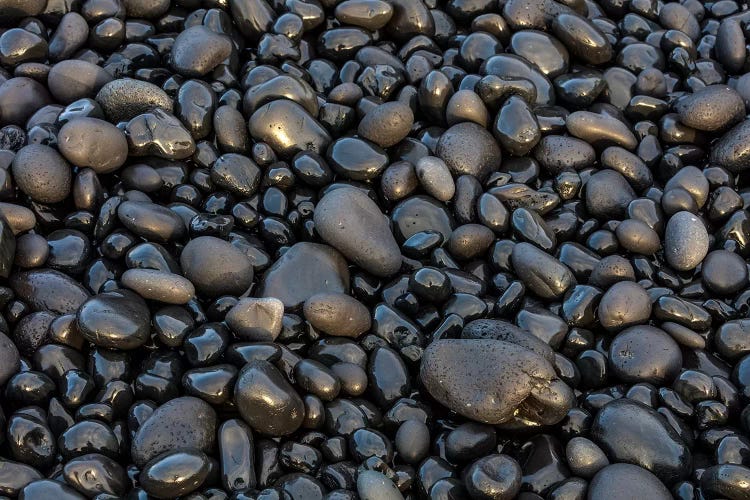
point(266, 401)
point(713, 108)
point(90, 142)
point(387, 124)
point(685, 241)
point(156, 285)
point(198, 50)
point(457, 375)
point(215, 267)
point(337, 314)
point(256, 319)
point(184, 422)
point(42, 173)
point(351, 222)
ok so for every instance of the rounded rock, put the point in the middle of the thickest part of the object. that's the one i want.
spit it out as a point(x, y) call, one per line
point(645, 354)
point(487, 380)
point(90, 142)
point(157, 285)
point(712, 108)
point(625, 482)
point(337, 314)
point(266, 401)
point(625, 304)
point(724, 272)
point(685, 241)
point(387, 124)
point(198, 50)
point(215, 267)
point(184, 422)
point(42, 173)
point(469, 149)
point(115, 320)
point(348, 220)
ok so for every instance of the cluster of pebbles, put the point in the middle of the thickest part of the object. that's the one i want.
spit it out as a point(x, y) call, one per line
point(374, 249)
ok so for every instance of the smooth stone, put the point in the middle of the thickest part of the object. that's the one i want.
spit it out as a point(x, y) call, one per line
point(236, 173)
point(75, 79)
point(159, 133)
point(516, 67)
point(90, 142)
point(469, 149)
point(13, 10)
point(175, 473)
point(215, 267)
point(351, 222)
point(544, 275)
point(421, 213)
point(288, 128)
point(266, 401)
point(356, 159)
point(730, 47)
point(253, 17)
point(69, 36)
point(582, 38)
point(42, 173)
point(151, 221)
point(95, 474)
point(236, 455)
point(126, 98)
point(724, 272)
point(337, 314)
point(516, 127)
point(637, 237)
point(608, 195)
point(686, 241)
point(466, 105)
point(726, 480)
point(14, 476)
point(330, 274)
point(542, 49)
point(20, 98)
point(387, 124)
point(47, 488)
point(372, 485)
point(281, 87)
point(692, 180)
point(558, 153)
point(494, 382)
point(368, 14)
point(711, 108)
point(49, 290)
point(115, 320)
point(629, 165)
point(152, 284)
point(184, 422)
point(631, 432)
point(19, 218)
point(626, 481)
point(584, 457)
point(645, 354)
point(195, 106)
point(494, 476)
point(600, 130)
point(198, 50)
point(732, 150)
point(254, 319)
point(435, 178)
point(624, 304)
